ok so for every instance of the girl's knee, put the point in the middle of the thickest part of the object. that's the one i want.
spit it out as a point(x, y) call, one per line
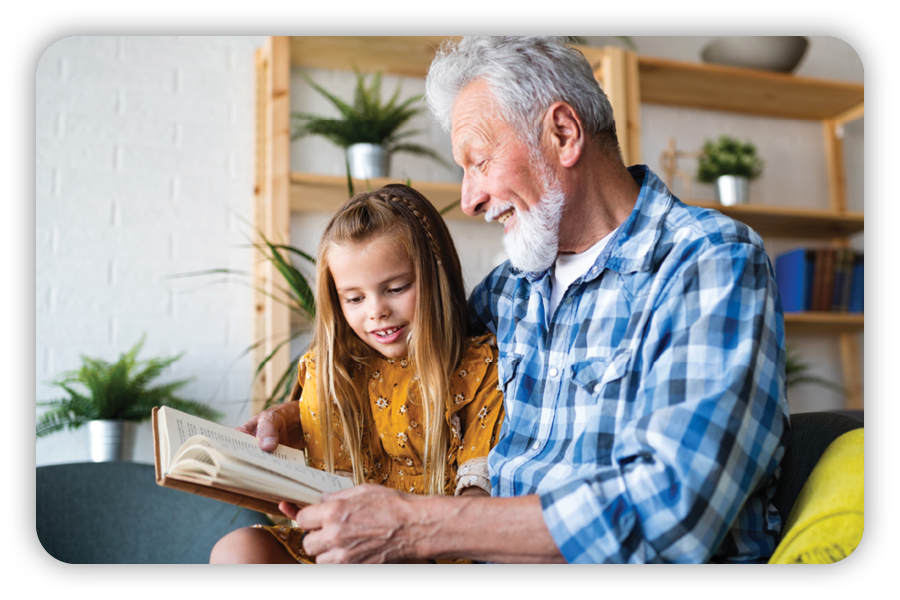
point(249, 545)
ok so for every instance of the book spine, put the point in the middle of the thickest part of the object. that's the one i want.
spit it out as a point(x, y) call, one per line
point(856, 294)
point(809, 282)
point(818, 279)
point(828, 284)
point(842, 260)
point(791, 278)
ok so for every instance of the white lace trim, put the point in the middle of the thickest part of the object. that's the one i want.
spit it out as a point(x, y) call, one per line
point(473, 473)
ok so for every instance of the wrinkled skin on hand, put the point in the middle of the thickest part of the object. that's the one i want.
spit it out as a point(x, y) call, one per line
point(365, 524)
point(278, 425)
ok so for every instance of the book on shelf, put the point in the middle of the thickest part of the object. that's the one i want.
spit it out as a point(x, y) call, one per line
point(856, 292)
point(843, 273)
point(794, 277)
point(204, 458)
point(820, 280)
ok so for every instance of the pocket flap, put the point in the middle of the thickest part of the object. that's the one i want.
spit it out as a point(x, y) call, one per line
point(594, 373)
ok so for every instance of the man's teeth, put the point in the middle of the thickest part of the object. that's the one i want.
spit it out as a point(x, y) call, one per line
point(505, 217)
point(387, 332)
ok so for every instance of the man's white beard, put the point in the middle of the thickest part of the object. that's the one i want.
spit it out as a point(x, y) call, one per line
point(533, 243)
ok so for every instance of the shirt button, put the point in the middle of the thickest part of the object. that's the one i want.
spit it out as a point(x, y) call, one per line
point(554, 372)
point(597, 388)
point(536, 446)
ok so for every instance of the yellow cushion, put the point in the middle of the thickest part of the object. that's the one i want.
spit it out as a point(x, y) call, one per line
point(826, 523)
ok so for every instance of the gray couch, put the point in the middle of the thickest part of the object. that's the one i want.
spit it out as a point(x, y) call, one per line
point(116, 513)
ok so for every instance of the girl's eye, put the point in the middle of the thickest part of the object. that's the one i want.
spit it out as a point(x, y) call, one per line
point(398, 290)
point(355, 300)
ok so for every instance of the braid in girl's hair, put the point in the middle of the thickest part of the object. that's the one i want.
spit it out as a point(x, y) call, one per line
point(422, 219)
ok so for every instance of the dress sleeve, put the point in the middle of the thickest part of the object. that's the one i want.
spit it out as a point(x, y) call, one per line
point(476, 412)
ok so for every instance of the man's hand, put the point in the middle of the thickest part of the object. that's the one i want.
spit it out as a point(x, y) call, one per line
point(375, 524)
point(365, 524)
point(278, 425)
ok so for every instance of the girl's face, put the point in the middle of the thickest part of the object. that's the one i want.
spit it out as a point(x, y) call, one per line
point(376, 286)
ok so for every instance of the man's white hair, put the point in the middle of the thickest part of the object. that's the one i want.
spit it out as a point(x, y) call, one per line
point(526, 75)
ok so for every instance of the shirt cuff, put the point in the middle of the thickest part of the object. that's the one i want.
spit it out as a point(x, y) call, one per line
point(473, 473)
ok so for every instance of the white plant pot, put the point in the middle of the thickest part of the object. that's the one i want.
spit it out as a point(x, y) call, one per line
point(111, 440)
point(368, 161)
point(732, 189)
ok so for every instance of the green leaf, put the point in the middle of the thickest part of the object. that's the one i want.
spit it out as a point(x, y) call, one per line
point(120, 390)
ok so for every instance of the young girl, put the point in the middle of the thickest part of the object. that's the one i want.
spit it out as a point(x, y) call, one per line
point(412, 403)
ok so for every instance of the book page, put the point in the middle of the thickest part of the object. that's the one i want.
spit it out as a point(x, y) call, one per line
point(179, 427)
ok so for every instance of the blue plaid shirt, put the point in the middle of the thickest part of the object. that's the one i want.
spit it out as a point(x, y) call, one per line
point(649, 411)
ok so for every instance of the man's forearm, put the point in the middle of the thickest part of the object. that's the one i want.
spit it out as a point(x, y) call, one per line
point(504, 530)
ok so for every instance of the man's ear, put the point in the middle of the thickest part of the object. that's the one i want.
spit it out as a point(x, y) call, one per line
point(564, 133)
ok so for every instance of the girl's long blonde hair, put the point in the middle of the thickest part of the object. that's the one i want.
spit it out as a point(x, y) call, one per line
point(437, 340)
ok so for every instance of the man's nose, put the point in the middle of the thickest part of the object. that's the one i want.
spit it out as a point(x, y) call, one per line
point(473, 200)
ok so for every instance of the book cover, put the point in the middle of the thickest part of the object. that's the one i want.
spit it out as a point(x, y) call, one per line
point(793, 275)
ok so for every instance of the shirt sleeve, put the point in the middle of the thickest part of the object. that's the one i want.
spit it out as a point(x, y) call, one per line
point(477, 413)
point(710, 372)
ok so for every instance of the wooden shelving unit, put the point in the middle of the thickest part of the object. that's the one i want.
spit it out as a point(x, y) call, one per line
point(629, 81)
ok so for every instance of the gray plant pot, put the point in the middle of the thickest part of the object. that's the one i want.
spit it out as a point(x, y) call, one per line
point(732, 189)
point(111, 440)
point(368, 161)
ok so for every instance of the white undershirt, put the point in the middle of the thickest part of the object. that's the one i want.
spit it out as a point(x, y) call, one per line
point(569, 267)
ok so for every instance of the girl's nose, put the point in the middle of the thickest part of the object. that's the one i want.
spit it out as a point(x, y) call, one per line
point(379, 309)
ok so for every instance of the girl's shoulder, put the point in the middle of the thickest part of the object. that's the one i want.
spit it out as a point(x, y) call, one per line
point(479, 358)
point(481, 347)
point(306, 366)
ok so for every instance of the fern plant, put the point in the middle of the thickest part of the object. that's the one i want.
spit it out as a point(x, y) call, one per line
point(367, 120)
point(796, 371)
point(118, 391)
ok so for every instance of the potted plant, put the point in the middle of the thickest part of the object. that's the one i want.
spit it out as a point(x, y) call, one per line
point(797, 371)
point(368, 130)
point(115, 397)
point(731, 164)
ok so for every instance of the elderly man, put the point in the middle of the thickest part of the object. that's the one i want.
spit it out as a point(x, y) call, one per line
point(641, 345)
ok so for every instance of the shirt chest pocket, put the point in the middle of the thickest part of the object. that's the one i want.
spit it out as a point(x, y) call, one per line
point(507, 366)
point(603, 378)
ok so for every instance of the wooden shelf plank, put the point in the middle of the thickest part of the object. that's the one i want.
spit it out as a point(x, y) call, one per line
point(695, 85)
point(311, 192)
point(782, 221)
point(399, 55)
point(818, 323)
point(749, 91)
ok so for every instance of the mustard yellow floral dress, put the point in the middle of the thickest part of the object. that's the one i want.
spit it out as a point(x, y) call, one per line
point(395, 445)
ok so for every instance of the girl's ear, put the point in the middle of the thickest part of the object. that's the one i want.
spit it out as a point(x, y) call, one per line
point(564, 133)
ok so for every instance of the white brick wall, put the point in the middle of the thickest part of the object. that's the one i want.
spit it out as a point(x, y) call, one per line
point(145, 157)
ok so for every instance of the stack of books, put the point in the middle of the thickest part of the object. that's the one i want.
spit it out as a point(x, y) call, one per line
point(821, 280)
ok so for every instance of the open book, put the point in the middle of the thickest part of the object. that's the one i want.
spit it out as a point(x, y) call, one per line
point(201, 457)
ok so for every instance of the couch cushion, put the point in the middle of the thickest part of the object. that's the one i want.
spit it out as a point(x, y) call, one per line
point(826, 522)
point(116, 513)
